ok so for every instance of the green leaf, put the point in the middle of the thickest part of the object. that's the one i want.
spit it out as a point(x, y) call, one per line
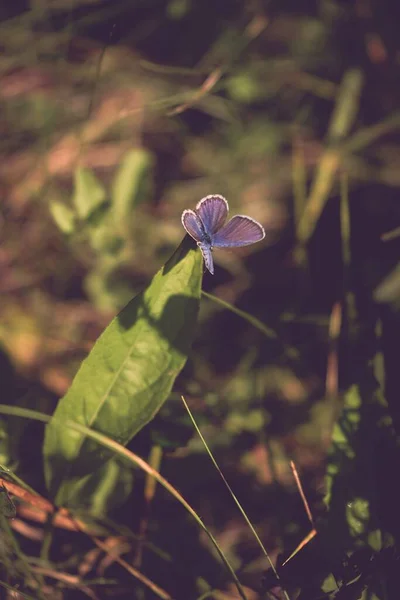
point(388, 291)
point(132, 183)
point(89, 193)
point(177, 9)
point(128, 374)
point(351, 479)
point(243, 87)
point(62, 216)
point(104, 489)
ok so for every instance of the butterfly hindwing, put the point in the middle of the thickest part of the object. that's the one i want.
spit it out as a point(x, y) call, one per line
point(193, 225)
point(213, 212)
point(195, 228)
point(239, 231)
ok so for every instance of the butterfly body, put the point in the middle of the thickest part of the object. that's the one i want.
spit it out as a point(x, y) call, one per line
point(206, 225)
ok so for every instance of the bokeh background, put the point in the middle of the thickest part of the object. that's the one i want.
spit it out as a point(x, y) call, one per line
point(115, 115)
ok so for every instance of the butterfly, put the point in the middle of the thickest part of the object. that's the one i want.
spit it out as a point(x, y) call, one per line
point(206, 225)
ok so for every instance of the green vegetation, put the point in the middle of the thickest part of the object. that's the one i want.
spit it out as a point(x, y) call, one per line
point(165, 433)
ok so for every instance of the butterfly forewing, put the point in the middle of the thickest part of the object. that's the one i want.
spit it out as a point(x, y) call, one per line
point(239, 231)
point(193, 225)
point(213, 212)
point(208, 259)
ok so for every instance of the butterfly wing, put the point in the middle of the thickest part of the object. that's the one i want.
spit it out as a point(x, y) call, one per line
point(193, 225)
point(239, 231)
point(213, 212)
point(208, 259)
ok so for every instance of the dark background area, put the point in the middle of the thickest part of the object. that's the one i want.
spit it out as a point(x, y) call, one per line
point(256, 101)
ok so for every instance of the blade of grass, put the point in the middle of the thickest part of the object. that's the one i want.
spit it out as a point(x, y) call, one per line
point(264, 329)
point(134, 460)
point(345, 232)
point(204, 89)
point(254, 532)
point(17, 480)
point(267, 331)
point(130, 569)
point(13, 591)
point(301, 492)
point(6, 529)
point(299, 181)
point(313, 532)
point(68, 580)
point(302, 544)
point(332, 367)
point(390, 235)
point(366, 136)
point(150, 485)
point(47, 537)
point(342, 120)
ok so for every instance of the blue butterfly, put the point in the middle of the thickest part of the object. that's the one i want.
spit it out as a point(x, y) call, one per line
point(206, 225)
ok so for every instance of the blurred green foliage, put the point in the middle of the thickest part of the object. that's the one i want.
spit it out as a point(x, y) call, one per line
point(116, 116)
